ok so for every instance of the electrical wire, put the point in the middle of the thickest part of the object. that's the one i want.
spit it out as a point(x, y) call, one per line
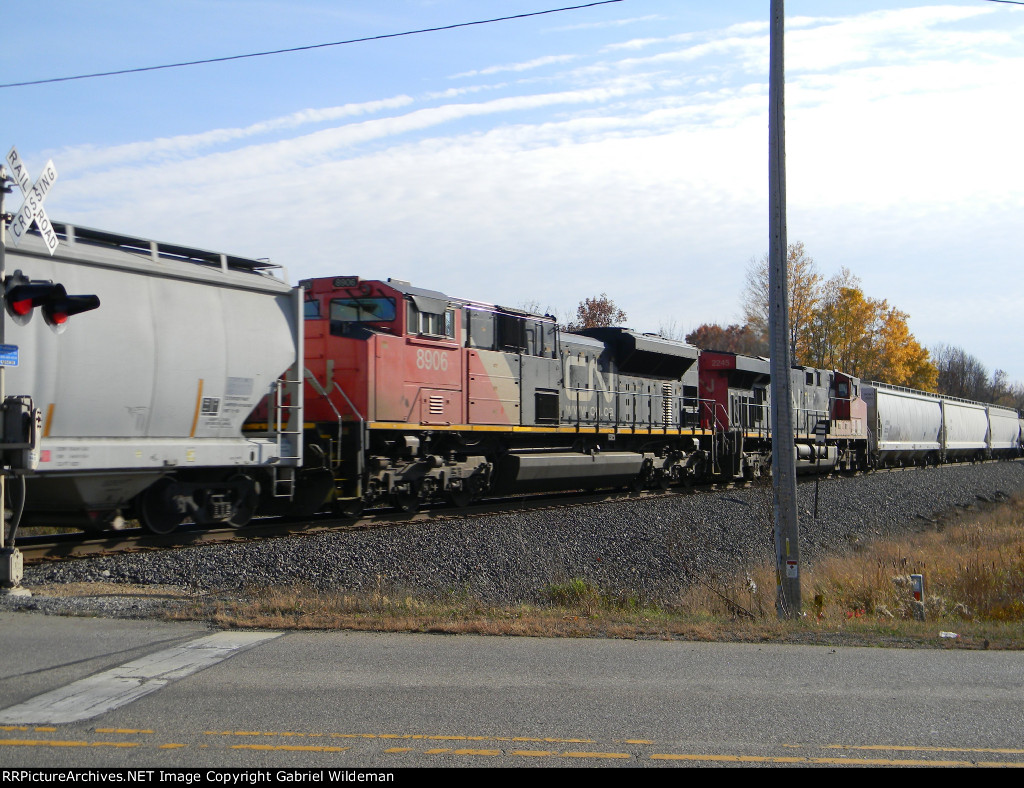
point(307, 47)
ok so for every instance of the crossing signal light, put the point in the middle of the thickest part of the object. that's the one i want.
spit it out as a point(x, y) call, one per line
point(23, 295)
point(60, 306)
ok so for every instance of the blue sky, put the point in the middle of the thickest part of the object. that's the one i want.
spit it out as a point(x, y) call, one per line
point(618, 149)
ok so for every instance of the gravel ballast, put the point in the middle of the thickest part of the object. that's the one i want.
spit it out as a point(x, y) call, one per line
point(645, 548)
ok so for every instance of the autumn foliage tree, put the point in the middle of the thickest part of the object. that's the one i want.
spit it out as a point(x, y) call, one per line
point(731, 339)
point(866, 337)
point(597, 312)
point(834, 325)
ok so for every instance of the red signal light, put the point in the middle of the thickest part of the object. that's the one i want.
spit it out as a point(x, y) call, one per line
point(22, 295)
point(62, 306)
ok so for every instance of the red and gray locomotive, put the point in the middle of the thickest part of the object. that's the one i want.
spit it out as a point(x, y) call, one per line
point(414, 396)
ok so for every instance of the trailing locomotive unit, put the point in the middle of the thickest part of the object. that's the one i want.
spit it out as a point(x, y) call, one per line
point(829, 416)
point(141, 402)
point(416, 395)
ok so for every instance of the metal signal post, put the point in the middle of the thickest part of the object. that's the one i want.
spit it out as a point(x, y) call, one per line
point(10, 558)
point(787, 547)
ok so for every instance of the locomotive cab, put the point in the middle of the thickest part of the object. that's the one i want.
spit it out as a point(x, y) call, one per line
point(734, 405)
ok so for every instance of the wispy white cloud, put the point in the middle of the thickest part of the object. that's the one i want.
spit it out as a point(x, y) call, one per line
point(451, 93)
point(611, 23)
point(528, 65)
point(643, 43)
point(91, 157)
point(888, 36)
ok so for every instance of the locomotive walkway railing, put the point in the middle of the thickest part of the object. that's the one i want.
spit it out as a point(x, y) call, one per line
point(634, 409)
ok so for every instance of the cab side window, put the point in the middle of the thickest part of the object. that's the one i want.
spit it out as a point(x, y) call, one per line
point(436, 324)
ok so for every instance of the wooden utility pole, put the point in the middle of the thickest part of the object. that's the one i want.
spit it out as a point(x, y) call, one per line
point(787, 545)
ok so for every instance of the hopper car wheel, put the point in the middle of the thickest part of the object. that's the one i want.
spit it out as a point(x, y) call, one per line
point(157, 509)
point(406, 502)
point(246, 506)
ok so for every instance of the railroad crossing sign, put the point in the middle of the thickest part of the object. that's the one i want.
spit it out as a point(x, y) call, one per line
point(32, 210)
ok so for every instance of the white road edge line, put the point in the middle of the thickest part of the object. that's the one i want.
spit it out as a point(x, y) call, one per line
point(103, 692)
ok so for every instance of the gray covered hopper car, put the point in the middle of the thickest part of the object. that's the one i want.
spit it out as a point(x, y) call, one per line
point(916, 427)
point(143, 401)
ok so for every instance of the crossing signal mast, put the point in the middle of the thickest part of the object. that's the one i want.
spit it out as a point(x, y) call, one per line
point(20, 421)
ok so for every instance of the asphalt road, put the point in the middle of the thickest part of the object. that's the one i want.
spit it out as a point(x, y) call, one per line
point(150, 694)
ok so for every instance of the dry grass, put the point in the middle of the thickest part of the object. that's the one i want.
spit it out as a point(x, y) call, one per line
point(973, 571)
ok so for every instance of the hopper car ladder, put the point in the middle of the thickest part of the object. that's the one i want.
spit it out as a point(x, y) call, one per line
point(288, 433)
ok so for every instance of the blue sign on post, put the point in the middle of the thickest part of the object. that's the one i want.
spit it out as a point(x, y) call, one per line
point(8, 355)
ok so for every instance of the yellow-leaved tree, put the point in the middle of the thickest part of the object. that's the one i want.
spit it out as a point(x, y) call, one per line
point(834, 325)
point(866, 337)
point(898, 358)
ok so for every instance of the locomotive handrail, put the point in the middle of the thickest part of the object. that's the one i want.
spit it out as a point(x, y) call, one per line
point(817, 416)
point(715, 405)
point(765, 419)
point(676, 421)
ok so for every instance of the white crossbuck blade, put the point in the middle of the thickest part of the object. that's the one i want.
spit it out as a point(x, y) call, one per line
point(32, 210)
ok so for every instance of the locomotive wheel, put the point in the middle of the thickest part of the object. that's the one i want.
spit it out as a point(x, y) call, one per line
point(407, 502)
point(460, 498)
point(350, 508)
point(470, 492)
point(157, 509)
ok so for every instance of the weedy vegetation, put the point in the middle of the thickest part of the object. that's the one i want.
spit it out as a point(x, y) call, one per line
point(972, 564)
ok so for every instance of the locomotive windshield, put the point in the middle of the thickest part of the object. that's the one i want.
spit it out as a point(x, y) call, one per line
point(363, 310)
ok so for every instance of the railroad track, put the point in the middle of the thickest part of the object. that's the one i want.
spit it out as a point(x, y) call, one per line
point(36, 549)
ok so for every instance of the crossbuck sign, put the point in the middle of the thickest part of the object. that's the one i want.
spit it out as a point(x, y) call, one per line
point(32, 210)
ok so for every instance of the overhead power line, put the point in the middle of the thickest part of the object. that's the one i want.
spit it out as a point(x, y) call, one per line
point(308, 47)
